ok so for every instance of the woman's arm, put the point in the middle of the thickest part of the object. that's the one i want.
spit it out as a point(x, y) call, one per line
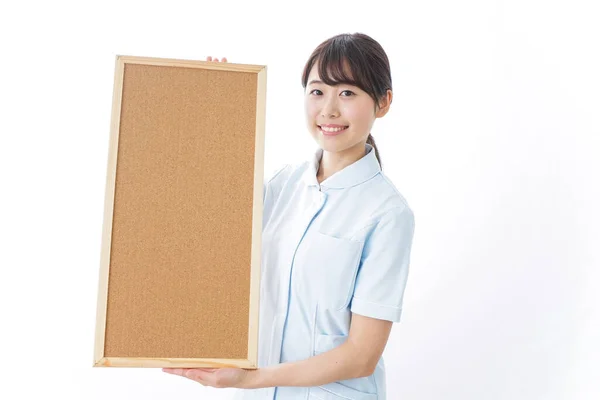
point(355, 358)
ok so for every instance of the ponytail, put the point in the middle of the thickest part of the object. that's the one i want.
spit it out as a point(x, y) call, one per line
point(371, 141)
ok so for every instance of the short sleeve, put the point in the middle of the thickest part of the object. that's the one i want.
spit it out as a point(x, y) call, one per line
point(269, 192)
point(269, 177)
point(384, 264)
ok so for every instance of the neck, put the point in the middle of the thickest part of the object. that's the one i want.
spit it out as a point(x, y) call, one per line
point(332, 162)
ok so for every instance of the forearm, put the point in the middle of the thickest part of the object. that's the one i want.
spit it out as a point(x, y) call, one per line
point(337, 364)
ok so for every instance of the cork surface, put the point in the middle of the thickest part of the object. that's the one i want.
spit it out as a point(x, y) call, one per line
point(181, 237)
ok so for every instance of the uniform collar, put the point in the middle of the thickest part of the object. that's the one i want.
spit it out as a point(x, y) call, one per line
point(354, 174)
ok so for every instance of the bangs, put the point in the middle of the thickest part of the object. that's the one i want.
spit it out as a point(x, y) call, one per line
point(334, 69)
point(340, 61)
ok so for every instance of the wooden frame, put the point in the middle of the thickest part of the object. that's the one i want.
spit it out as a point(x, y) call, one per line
point(248, 289)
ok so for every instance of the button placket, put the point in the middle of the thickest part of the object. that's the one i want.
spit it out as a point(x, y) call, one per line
point(313, 209)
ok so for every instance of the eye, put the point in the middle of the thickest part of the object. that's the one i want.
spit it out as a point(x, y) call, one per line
point(316, 90)
point(350, 93)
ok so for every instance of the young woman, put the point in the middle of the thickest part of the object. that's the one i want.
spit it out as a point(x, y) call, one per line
point(337, 237)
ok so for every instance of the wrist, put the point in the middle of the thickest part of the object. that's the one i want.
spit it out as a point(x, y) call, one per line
point(253, 379)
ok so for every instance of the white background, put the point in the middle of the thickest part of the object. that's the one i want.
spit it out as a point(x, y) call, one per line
point(493, 138)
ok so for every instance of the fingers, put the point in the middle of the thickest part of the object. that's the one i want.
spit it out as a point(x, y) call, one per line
point(216, 59)
point(174, 371)
point(196, 374)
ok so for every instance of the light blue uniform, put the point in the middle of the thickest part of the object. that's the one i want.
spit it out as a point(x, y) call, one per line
point(329, 250)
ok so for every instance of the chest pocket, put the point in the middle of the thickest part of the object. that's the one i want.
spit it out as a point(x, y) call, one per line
point(333, 264)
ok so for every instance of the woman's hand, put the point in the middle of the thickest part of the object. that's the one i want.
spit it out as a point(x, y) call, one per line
point(216, 59)
point(215, 377)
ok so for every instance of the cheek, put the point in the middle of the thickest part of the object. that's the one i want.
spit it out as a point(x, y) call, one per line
point(351, 114)
point(310, 110)
point(309, 117)
point(358, 114)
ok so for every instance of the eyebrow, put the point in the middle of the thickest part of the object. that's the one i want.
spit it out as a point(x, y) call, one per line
point(314, 81)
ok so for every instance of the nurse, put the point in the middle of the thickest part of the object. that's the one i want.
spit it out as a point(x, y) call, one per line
point(337, 237)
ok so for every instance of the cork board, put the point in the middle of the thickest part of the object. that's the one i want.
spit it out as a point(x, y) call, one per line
point(181, 239)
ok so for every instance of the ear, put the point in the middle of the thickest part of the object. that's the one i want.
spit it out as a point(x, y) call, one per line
point(384, 104)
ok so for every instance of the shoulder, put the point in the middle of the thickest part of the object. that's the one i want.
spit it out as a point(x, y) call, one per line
point(382, 204)
point(389, 193)
point(286, 173)
point(276, 174)
point(397, 205)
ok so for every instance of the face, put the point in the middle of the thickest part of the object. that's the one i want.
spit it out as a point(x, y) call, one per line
point(339, 117)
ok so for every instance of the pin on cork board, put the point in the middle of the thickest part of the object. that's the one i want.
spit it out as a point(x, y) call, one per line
point(181, 236)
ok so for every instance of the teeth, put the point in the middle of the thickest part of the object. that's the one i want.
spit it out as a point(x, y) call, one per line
point(326, 129)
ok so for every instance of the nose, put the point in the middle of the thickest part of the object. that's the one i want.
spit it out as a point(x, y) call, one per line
point(330, 108)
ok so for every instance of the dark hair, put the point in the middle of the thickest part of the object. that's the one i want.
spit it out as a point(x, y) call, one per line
point(355, 59)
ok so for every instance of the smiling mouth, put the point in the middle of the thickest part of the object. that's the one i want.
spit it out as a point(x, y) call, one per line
point(332, 130)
